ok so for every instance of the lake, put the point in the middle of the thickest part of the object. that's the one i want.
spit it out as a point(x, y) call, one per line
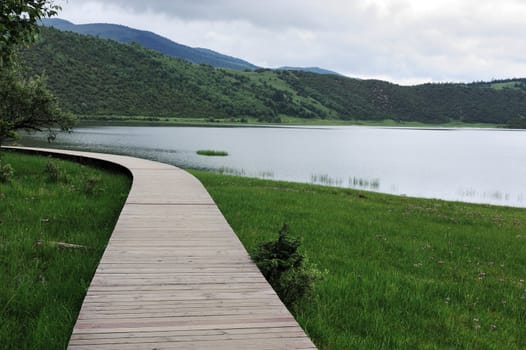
point(471, 165)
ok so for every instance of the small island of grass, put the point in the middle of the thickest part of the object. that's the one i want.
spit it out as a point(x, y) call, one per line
point(212, 153)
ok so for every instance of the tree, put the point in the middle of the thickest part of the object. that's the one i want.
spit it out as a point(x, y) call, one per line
point(25, 103)
point(19, 24)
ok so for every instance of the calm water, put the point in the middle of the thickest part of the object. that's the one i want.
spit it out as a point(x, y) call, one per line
point(472, 165)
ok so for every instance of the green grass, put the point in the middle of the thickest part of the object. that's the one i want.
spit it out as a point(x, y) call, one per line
point(43, 285)
point(212, 153)
point(403, 273)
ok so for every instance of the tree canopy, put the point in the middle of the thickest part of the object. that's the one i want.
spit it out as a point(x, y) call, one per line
point(18, 24)
point(25, 102)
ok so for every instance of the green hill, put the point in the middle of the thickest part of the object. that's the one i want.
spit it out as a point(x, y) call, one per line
point(93, 76)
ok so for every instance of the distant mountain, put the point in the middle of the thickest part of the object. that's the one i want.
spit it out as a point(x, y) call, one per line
point(163, 45)
point(316, 70)
point(152, 41)
point(57, 23)
point(96, 77)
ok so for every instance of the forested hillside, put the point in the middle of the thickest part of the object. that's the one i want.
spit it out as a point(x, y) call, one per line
point(93, 76)
point(373, 99)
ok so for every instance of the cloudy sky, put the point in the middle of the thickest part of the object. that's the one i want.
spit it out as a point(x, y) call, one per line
point(404, 41)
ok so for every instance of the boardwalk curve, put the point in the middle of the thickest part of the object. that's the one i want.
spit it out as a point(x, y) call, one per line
point(175, 276)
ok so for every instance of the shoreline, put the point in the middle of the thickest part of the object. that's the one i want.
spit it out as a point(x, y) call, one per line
point(330, 182)
point(286, 122)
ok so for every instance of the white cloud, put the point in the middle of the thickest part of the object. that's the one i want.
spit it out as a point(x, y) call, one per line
point(398, 40)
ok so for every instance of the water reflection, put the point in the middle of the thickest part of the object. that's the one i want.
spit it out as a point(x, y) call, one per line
point(472, 195)
point(265, 175)
point(358, 182)
point(353, 182)
point(230, 171)
point(325, 179)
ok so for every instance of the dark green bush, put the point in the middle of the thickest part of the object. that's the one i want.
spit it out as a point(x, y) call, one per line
point(286, 268)
point(52, 171)
point(92, 185)
point(6, 172)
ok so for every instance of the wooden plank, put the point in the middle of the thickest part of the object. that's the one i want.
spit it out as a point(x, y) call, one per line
point(254, 334)
point(245, 344)
point(175, 276)
point(203, 324)
point(194, 332)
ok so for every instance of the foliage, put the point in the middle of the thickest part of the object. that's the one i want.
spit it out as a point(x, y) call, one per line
point(103, 77)
point(52, 171)
point(18, 23)
point(285, 267)
point(92, 185)
point(25, 102)
point(92, 76)
point(42, 285)
point(6, 172)
point(431, 103)
point(404, 273)
point(517, 123)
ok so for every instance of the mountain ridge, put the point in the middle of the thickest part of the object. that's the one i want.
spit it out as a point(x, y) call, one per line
point(152, 41)
point(317, 70)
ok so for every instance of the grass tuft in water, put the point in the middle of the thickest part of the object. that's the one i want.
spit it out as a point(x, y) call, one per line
point(212, 153)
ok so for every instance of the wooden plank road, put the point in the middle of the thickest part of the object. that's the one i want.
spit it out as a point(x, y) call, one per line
point(175, 276)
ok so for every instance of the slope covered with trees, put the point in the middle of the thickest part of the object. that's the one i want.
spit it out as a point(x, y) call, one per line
point(96, 76)
point(93, 76)
point(434, 103)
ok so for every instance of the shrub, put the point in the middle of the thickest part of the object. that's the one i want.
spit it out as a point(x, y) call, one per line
point(6, 172)
point(52, 170)
point(91, 185)
point(285, 268)
point(55, 173)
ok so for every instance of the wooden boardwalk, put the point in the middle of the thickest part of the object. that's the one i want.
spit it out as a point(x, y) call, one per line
point(175, 276)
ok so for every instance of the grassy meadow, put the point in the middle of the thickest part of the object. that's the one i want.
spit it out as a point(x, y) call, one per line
point(402, 273)
point(49, 205)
